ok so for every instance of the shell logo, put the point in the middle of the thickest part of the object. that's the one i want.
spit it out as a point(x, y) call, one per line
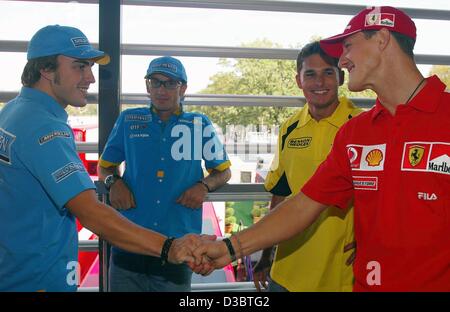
point(374, 157)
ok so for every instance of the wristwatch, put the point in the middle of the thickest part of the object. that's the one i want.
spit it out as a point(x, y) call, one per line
point(111, 179)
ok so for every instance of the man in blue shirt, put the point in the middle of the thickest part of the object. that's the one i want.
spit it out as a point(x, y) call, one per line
point(163, 148)
point(43, 184)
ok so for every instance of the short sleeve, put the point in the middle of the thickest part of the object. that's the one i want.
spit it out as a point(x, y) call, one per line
point(214, 153)
point(49, 153)
point(114, 151)
point(276, 181)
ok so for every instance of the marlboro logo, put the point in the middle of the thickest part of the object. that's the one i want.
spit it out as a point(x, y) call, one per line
point(426, 157)
point(380, 19)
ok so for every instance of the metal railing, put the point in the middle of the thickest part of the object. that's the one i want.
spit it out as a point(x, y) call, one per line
point(228, 192)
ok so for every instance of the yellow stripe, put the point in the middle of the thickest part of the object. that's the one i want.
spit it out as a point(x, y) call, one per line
point(223, 166)
point(106, 164)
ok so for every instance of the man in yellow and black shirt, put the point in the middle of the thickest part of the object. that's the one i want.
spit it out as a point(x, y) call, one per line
point(319, 258)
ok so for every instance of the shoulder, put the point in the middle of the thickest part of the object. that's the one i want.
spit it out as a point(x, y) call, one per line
point(350, 107)
point(293, 120)
point(192, 117)
point(361, 119)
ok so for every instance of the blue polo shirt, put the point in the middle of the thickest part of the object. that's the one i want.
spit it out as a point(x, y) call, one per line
point(162, 160)
point(40, 171)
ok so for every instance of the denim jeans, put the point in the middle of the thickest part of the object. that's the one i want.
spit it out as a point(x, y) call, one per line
point(138, 273)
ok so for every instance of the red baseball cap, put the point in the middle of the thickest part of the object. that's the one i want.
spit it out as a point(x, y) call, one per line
point(373, 18)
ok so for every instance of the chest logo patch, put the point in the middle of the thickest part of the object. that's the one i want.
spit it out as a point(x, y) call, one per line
point(415, 154)
point(299, 142)
point(365, 183)
point(366, 157)
point(426, 157)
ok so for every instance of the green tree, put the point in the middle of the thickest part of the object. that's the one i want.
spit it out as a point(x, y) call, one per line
point(257, 77)
point(443, 72)
point(252, 77)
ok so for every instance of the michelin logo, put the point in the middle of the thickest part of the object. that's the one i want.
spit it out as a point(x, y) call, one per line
point(67, 170)
point(6, 140)
point(54, 134)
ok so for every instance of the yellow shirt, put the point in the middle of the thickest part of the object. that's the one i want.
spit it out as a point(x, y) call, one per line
point(313, 260)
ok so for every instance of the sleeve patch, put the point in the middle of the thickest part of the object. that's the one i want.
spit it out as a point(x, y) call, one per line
point(6, 140)
point(67, 170)
point(52, 135)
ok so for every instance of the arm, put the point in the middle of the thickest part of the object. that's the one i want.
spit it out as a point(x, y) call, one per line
point(120, 195)
point(294, 214)
point(119, 231)
point(194, 196)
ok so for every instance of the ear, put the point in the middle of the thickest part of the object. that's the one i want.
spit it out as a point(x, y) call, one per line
point(341, 74)
point(47, 74)
point(299, 81)
point(383, 38)
point(183, 89)
point(147, 88)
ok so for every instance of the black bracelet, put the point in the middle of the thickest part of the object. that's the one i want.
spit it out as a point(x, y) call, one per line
point(206, 185)
point(231, 251)
point(165, 249)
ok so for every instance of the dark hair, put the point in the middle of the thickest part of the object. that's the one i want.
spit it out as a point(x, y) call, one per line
point(31, 72)
point(406, 43)
point(312, 49)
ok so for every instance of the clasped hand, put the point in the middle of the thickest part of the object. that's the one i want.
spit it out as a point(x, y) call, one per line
point(202, 253)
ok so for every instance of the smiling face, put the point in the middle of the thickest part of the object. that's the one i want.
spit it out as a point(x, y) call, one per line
point(361, 59)
point(70, 81)
point(319, 81)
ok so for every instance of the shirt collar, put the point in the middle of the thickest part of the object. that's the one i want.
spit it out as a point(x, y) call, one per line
point(45, 101)
point(176, 113)
point(425, 101)
point(338, 118)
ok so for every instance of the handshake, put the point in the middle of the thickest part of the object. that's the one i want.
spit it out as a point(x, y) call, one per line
point(202, 253)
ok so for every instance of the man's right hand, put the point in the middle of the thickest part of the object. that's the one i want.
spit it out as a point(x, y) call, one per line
point(120, 196)
point(261, 272)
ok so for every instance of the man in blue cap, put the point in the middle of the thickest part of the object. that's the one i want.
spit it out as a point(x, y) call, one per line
point(163, 186)
point(43, 184)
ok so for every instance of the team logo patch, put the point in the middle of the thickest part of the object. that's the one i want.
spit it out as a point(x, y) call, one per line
point(426, 157)
point(54, 134)
point(6, 140)
point(138, 117)
point(169, 66)
point(366, 157)
point(299, 142)
point(365, 183)
point(67, 170)
point(380, 19)
point(415, 154)
point(79, 41)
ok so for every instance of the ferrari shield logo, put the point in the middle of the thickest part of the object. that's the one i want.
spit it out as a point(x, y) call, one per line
point(415, 154)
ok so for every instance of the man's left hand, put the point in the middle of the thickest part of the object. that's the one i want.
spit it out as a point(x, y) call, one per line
point(194, 196)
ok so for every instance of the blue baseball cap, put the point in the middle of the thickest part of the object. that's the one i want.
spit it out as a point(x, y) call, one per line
point(64, 40)
point(168, 66)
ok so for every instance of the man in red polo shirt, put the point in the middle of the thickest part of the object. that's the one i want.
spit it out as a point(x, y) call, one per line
point(392, 161)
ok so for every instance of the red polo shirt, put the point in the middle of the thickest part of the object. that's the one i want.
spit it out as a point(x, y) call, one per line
point(397, 170)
